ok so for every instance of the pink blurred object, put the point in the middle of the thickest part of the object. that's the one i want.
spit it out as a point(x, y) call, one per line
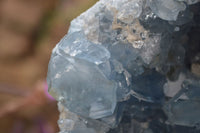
point(47, 93)
point(44, 127)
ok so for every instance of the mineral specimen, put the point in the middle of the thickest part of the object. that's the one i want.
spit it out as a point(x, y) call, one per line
point(129, 66)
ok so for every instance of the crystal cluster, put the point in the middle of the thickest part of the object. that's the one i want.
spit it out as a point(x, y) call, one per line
point(129, 66)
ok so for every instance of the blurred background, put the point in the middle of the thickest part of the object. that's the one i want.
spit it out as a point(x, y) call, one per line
point(29, 29)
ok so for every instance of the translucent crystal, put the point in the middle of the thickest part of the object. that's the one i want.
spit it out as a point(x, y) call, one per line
point(179, 111)
point(129, 66)
point(166, 9)
point(75, 74)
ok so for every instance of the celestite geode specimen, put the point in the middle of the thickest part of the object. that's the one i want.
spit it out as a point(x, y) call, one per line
point(129, 66)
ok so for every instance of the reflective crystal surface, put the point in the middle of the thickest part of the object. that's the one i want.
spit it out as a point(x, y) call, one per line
point(78, 78)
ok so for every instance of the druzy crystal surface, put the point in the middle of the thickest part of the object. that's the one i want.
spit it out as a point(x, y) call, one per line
point(129, 66)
